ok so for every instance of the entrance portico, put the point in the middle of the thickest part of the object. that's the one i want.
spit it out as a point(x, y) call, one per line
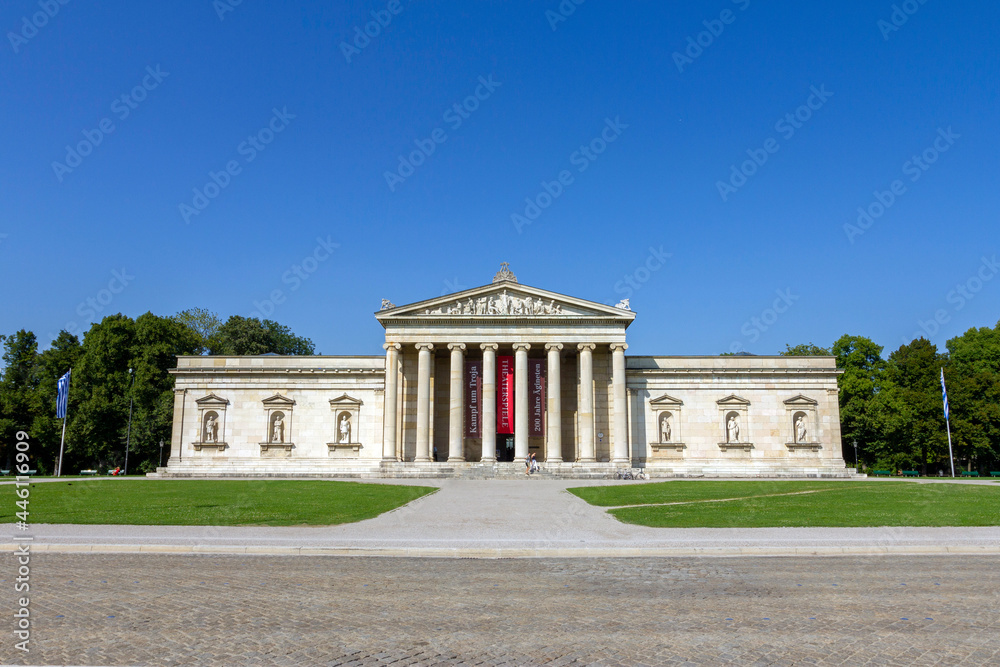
point(435, 348)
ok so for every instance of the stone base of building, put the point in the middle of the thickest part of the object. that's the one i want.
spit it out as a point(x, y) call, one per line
point(324, 468)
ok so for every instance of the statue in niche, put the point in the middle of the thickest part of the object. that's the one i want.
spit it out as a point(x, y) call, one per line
point(345, 429)
point(516, 306)
point(278, 430)
point(491, 306)
point(502, 304)
point(733, 429)
point(665, 429)
point(211, 429)
point(539, 307)
point(481, 306)
point(469, 307)
point(800, 429)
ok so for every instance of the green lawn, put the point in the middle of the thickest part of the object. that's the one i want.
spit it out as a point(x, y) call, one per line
point(850, 504)
point(207, 502)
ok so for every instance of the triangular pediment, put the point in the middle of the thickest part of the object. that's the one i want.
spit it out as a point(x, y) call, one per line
point(733, 399)
point(505, 300)
point(801, 400)
point(666, 400)
point(277, 401)
point(212, 401)
point(344, 401)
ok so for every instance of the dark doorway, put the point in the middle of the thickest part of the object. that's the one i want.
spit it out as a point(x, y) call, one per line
point(505, 447)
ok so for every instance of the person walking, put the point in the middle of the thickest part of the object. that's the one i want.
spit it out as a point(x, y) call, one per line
point(527, 464)
point(534, 464)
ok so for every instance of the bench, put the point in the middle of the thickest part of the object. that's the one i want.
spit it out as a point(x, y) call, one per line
point(88, 472)
point(995, 473)
point(970, 473)
point(911, 473)
point(880, 473)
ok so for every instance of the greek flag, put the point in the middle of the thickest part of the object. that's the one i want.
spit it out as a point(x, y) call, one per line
point(944, 394)
point(62, 396)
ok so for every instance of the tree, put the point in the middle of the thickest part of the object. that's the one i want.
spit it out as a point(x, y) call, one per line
point(18, 398)
point(205, 324)
point(248, 335)
point(973, 377)
point(915, 369)
point(870, 409)
point(805, 350)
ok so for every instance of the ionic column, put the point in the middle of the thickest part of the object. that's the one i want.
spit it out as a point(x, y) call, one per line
point(521, 400)
point(456, 402)
point(489, 405)
point(620, 431)
point(391, 398)
point(424, 359)
point(553, 418)
point(586, 413)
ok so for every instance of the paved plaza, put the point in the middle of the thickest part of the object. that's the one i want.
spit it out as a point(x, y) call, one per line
point(106, 609)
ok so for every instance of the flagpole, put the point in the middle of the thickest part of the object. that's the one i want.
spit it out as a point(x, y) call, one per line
point(62, 441)
point(947, 421)
point(951, 456)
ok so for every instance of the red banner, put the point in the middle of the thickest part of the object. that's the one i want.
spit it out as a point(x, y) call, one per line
point(473, 391)
point(536, 396)
point(505, 395)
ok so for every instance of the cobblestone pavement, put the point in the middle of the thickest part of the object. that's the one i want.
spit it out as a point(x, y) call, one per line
point(224, 610)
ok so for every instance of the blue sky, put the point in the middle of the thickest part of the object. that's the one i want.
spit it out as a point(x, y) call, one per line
point(642, 108)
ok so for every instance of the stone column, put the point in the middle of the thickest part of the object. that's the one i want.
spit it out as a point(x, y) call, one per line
point(620, 430)
point(553, 400)
point(489, 404)
point(424, 360)
point(391, 398)
point(456, 403)
point(587, 454)
point(521, 400)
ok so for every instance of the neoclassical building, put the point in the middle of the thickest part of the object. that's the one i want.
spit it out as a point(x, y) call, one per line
point(473, 382)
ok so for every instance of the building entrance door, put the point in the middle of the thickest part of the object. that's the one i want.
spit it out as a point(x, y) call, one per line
point(505, 447)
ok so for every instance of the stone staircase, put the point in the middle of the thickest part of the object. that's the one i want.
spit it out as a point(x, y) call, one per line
point(322, 468)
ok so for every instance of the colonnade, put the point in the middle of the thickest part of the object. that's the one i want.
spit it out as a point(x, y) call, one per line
point(553, 407)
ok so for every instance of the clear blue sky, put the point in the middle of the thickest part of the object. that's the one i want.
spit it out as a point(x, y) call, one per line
point(886, 95)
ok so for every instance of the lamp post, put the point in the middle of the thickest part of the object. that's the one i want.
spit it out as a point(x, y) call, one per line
point(857, 464)
point(128, 433)
point(161, 452)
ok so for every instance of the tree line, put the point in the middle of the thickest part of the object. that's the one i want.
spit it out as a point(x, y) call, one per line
point(891, 406)
point(122, 364)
